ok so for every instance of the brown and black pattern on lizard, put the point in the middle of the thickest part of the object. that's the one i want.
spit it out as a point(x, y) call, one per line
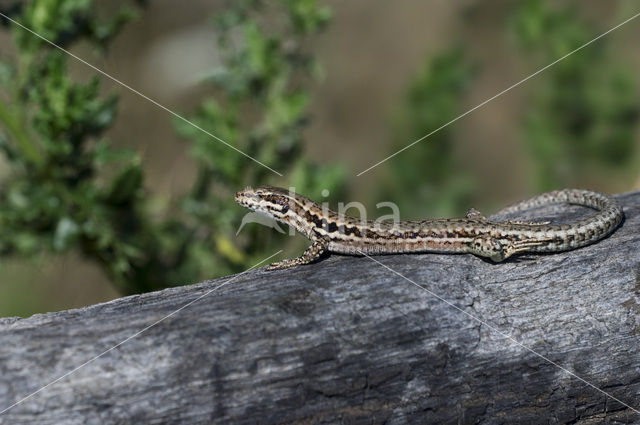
point(331, 232)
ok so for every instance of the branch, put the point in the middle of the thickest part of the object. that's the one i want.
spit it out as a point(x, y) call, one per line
point(346, 340)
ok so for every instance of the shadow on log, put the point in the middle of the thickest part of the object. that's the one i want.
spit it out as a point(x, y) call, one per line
point(347, 341)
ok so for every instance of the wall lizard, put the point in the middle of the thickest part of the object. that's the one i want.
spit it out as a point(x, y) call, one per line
point(475, 234)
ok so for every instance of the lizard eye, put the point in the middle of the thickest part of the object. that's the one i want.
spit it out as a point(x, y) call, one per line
point(285, 208)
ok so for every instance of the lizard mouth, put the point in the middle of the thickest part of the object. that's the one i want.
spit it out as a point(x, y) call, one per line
point(247, 198)
point(267, 203)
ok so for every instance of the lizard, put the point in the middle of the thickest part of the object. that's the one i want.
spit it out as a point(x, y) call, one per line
point(331, 232)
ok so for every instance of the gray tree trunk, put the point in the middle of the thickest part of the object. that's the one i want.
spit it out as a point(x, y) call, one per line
point(348, 341)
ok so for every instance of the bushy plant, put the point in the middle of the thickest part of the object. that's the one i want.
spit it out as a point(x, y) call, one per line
point(67, 188)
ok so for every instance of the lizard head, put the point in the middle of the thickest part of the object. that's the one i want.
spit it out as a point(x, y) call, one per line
point(271, 201)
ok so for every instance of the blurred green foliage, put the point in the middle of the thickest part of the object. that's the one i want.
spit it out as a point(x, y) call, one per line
point(580, 126)
point(584, 114)
point(57, 194)
point(69, 189)
point(428, 180)
point(260, 107)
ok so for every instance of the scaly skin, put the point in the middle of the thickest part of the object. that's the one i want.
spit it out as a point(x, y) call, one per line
point(330, 232)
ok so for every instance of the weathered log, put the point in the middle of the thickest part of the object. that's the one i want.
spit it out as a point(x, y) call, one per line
point(346, 340)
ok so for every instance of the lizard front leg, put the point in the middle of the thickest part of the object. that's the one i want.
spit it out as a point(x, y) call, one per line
point(311, 254)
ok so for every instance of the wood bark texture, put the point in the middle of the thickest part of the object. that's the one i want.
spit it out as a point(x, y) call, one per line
point(346, 340)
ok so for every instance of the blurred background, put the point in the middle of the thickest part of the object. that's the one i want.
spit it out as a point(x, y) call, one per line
point(104, 194)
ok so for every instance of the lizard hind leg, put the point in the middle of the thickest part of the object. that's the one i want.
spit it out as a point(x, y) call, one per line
point(310, 255)
point(489, 247)
point(474, 214)
point(499, 250)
